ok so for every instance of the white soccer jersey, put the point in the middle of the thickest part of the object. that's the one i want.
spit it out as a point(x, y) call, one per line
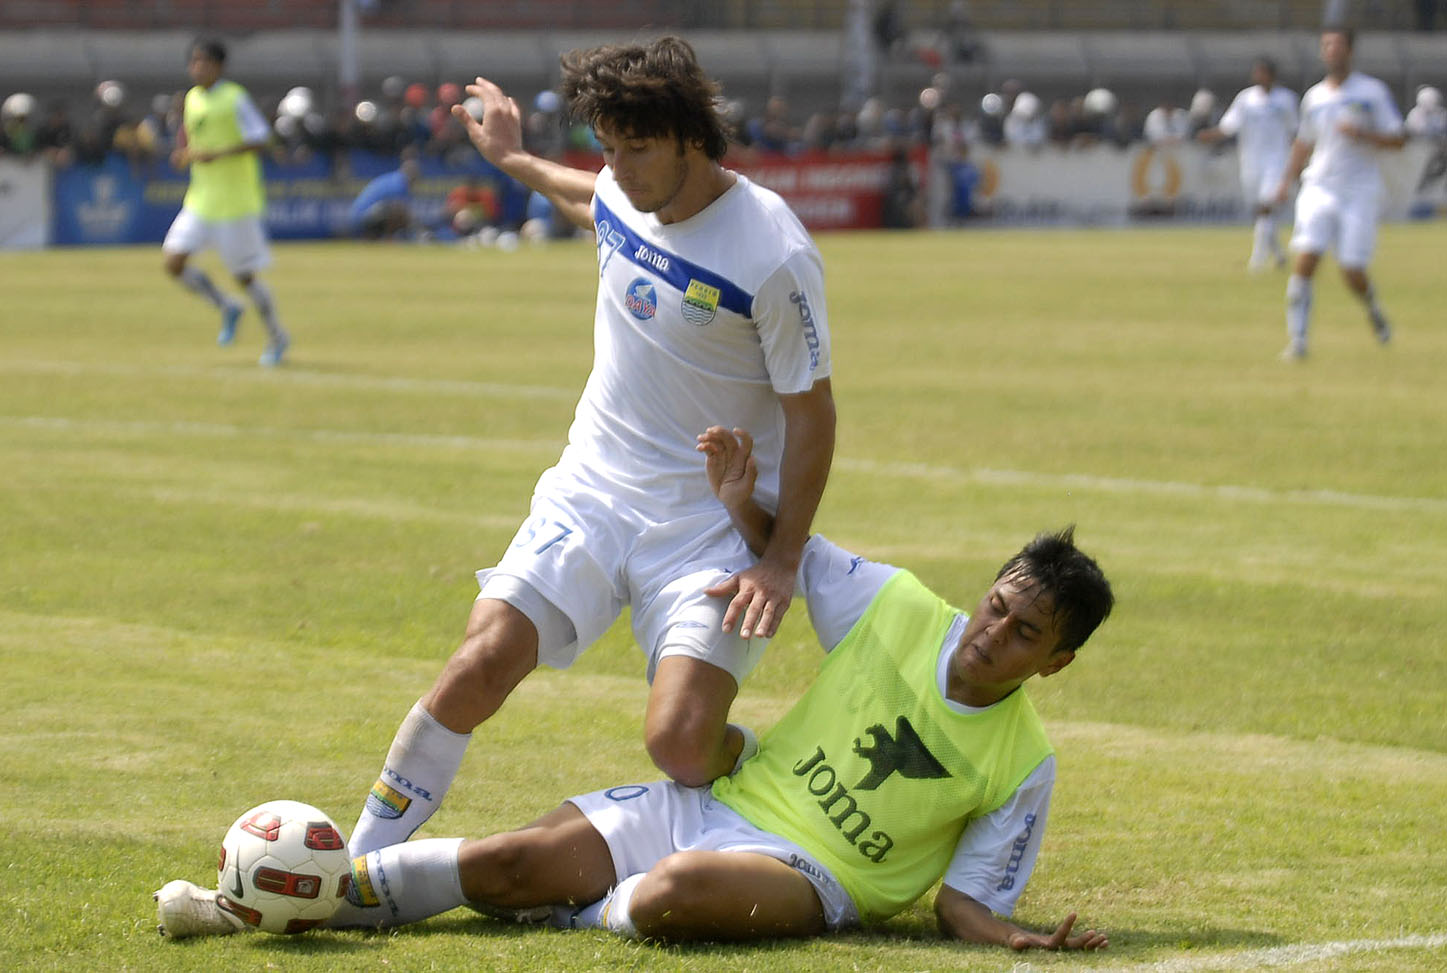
point(996, 853)
point(1264, 122)
point(1339, 164)
point(701, 322)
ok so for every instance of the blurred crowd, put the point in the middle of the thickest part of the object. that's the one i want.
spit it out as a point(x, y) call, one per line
point(415, 121)
point(412, 117)
point(406, 117)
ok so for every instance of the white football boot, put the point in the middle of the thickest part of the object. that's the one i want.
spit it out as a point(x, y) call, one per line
point(184, 909)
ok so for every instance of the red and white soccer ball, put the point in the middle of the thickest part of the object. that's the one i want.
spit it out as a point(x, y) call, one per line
point(284, 868)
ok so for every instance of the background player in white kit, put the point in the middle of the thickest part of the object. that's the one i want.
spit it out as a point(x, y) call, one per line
point(710, 309)
point(1263, 120)
point(1345, 118)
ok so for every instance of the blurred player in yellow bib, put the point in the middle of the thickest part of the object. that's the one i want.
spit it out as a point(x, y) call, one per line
point(222, 134)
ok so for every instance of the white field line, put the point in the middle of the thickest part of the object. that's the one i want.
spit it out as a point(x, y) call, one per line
point(222, 430)
point(296, 376)
point(1279, 956)
point(1122, 485)
point(917, 471)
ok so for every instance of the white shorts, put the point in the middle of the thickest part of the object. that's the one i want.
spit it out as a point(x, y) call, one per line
point(1259, 182)
point(582, 555)
point(241, 243)
point(645, 823)
point(1325, 221)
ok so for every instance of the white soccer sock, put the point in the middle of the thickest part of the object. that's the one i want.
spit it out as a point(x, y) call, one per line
point(1271, 241)
point(402, 883)
point(750, 748)
point(611, 912)
point(194, 279)
point(260, 295)
point(1298, 307)
point(420, 765)
point(1262, 241)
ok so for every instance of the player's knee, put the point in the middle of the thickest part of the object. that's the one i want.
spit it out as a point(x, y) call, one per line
point(498, 651)
point(688, 753)
point(174, 264)
point(1355, 277)
point(673, 893)
point(496, 870)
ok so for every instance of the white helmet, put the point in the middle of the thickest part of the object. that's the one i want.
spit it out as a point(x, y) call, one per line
point(1027, 105)
point(1203, 102)
point(1428, 97)
point(992, 104)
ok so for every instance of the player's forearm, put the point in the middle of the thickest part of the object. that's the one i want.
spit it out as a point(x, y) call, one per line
point(803, 471)
point(962, 918)
point(754, 524)
point(1300, 154)
point(569, 189)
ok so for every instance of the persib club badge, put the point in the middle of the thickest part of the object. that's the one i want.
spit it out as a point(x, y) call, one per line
point(641, 298)
point(700, 303)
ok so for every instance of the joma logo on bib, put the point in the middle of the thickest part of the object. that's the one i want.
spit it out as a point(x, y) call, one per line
point(901, 751)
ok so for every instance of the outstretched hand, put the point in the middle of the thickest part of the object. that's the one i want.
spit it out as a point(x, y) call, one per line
point(1060, 939)
point(760, 596)
point(500, 132)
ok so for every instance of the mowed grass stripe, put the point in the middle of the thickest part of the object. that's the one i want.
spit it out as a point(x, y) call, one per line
point(290, 376)
point(1006, 479)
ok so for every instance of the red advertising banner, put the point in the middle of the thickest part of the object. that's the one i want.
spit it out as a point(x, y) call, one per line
point(827, 190)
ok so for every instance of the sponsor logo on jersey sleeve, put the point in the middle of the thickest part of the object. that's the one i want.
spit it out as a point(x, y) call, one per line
point(811, 331)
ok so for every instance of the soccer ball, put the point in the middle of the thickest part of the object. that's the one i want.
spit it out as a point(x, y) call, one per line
point(284, 868)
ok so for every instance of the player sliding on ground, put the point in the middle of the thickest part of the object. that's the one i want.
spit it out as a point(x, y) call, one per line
point(914, 756)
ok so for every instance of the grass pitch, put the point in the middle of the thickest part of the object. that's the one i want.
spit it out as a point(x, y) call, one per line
point(222, 585)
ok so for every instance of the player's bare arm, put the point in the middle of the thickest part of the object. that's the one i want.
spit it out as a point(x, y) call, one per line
point(499, 138)
point(236, 149)
point(762, 593)
point(1379, 140)
point(962, 917)
point(732, 474)
point(1300, 156)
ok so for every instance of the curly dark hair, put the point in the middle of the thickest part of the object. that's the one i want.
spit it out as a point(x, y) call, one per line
point(656, 90)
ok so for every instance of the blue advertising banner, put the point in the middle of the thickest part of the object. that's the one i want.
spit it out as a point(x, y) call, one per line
point(118, 202)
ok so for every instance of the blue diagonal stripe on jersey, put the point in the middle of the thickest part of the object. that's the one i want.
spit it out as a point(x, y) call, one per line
point(732, 297)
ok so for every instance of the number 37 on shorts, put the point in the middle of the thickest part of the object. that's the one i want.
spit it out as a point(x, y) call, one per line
point(540, 534)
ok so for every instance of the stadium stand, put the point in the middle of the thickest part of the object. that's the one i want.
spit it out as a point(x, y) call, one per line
point(1142, 49)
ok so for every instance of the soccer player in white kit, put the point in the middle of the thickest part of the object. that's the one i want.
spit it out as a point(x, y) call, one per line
point(710, 309)
point(1262, 118)
point(1345, 118)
